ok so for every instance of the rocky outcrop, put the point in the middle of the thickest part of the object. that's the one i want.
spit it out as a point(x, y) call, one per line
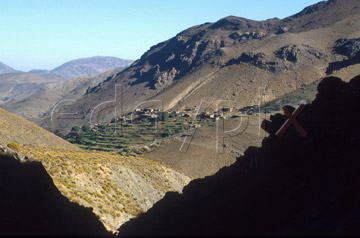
point(350, 49)
point(347, 47)
point(247, 35)
point(296, 53)
point(289, 186)
point(259, 60)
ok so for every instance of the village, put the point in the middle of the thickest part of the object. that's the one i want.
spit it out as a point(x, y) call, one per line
point(153, 114)
point(124, 134)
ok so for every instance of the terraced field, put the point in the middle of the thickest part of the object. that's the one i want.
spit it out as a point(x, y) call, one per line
point(129, 137)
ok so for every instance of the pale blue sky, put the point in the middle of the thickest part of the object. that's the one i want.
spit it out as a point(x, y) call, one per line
point(42, 34)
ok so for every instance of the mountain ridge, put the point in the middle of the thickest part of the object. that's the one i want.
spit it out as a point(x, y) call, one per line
point(90, 66)
point(6, 69)
point(38, 104)
point(206, 61)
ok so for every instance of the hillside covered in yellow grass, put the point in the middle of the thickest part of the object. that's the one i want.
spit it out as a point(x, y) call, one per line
point(21, 131)
point(117, 188)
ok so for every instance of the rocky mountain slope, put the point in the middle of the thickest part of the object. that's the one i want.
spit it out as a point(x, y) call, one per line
point(196, 155)
point(6, 69)
point(116, 187)
point(89, 66)
point(289, 186)
point(232, 59)
point(307, 93)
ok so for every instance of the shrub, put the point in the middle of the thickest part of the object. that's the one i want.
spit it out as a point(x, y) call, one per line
point(164, 116)
point(179, 130)
point(15, 146)
point(75, 128)
point(144, 119)
point(85, 128)
point(168, 132)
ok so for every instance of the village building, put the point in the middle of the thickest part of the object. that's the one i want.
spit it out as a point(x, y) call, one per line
point(147, 110)
point(227, 109)
point(186, 115)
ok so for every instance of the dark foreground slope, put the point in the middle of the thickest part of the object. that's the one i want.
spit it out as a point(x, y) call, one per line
point(31, 204)
point(291, 185)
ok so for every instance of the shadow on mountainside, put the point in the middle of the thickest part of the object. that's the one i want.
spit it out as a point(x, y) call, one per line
point(289, 186)
point(30, 203)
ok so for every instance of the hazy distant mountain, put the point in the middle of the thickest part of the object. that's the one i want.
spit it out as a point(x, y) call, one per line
point(19, 85)
point(88, 66)
point(31, 94)
point(6, 69)
point(39, 71)
point(38, 104)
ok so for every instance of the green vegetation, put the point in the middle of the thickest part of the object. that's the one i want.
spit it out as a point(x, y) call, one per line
point(164, 116)
point(125, 137)
point(75, 128)
point(13, 145)
point(85, 128)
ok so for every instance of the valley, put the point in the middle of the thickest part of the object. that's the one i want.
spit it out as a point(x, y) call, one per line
point(184, 140)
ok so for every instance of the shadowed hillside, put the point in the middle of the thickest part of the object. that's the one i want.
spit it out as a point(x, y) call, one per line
point(30, 203)
point(289, 186)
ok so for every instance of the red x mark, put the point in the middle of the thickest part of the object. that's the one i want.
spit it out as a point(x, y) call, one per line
point(292, 120)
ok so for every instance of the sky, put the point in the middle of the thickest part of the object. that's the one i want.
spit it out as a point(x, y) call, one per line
point(43, 34)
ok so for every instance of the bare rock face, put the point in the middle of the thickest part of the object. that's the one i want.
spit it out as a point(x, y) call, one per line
point(247, 35)
point(350, 49)
point(294, 53)
point(164, 78)
point(259, 60)
point(347, 47)
point(160, 68)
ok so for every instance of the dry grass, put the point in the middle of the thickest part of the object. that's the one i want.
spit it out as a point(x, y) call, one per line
point(117, 188)
point(21, 131)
